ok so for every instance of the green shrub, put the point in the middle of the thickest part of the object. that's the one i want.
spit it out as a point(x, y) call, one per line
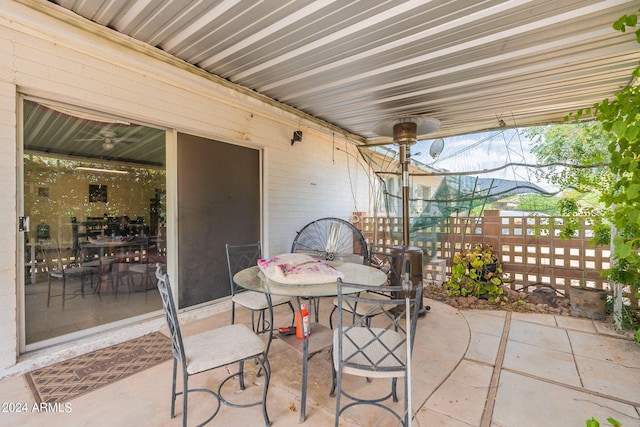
point(476, 272)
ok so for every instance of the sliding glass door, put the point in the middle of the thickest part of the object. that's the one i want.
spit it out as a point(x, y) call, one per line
point(94, 195)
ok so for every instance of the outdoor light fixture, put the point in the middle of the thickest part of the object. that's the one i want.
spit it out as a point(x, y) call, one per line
point(297, 137)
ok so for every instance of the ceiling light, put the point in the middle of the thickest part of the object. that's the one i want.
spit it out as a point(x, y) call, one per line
point(100, 170)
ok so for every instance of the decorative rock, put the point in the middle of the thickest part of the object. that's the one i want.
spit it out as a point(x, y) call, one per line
point(545, 295)
point(516, 301)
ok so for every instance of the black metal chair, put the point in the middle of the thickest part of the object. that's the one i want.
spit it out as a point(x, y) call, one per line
point(244, 256)
point(374, 348)
point(52, 256)
point(144, 267)
point(210, 350)
point(390, 261)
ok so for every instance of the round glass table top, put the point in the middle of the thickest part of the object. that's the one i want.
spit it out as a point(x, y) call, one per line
point(253, 279)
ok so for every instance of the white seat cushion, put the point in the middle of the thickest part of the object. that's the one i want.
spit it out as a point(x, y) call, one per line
point(92, 264)
point(257, 300)
point(220, 347)
point(363, 308)
point(141, 268)
point(379, 355)
point(75, 271)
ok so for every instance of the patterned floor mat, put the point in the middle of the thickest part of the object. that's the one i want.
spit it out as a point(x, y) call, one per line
point(71, 378)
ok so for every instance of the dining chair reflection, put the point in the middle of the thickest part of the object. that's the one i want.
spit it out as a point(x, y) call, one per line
point(57, 270)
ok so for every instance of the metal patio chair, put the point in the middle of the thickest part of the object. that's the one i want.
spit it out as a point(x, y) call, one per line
point(374, 348)
point(387, 259)
point(209, 350)
point(244, 256)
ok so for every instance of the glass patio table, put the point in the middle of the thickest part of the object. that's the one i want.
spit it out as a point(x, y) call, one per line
point(321, 337)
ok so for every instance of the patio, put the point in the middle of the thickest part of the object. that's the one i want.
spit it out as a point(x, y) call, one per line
point(471, 368)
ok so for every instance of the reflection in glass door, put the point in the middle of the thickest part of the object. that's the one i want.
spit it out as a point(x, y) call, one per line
point(94, 192)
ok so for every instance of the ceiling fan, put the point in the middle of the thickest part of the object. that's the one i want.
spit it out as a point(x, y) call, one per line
point(109, 138)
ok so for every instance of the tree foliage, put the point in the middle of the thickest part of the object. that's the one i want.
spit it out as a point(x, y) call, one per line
point(620, 119)
point(580, 144)
point(584, 146)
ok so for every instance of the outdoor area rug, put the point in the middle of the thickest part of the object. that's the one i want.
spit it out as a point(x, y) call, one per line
point(71, 378)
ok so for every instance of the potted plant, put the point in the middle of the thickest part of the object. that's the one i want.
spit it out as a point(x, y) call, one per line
point(476, 272)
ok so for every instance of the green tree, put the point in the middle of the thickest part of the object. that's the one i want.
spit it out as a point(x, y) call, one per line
point(578, 155)
point(578, 161)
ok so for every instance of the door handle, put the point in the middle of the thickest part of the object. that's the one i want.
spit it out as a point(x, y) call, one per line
point(23, 223)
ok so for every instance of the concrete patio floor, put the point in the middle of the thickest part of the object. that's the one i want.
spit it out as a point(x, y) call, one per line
point(470, 368)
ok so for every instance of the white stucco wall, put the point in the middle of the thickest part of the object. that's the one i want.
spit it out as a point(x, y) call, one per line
point(42, 56)
point(8, 223)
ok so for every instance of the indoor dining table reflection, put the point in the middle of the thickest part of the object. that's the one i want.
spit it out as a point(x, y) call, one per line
point(254, 279)
point(109, 245)
point(112, 250)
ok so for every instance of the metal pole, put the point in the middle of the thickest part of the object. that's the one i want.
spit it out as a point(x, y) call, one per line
point(404, 156)
point(616, 287)
point(408, 385)
point(404, 135)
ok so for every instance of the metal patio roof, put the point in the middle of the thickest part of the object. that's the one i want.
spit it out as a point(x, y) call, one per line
point(472, 64)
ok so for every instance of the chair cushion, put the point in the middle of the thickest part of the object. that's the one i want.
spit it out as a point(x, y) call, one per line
point(363, 308)
point(382, 364)
point(94, 264)
point(257, 300)
point(220, 347)
point(78, 271)
point(141, 268)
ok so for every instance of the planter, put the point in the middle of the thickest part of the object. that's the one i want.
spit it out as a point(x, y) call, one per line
point(588, 302)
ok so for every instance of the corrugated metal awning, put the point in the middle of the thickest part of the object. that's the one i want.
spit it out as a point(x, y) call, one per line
point(474, 65)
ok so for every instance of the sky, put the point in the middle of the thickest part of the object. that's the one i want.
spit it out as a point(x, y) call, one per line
point(485, 150)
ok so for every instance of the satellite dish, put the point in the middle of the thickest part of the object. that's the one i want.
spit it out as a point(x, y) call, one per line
point(436, 148)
